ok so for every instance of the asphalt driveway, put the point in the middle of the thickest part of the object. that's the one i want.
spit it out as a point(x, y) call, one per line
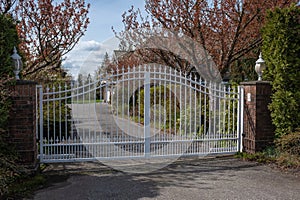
point(210, 178)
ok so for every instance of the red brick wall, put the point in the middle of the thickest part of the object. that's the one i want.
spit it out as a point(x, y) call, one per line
point(22, 122)
point(258, 129)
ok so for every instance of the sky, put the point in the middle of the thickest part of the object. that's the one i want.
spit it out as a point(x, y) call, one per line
point(99, 38)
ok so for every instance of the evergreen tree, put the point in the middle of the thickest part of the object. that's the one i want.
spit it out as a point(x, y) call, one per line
point(281, 50)
point(8, 39)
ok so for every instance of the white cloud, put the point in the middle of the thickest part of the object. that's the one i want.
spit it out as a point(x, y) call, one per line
point(87, 56)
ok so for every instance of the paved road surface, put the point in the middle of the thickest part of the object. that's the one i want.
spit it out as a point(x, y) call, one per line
point(218, 178)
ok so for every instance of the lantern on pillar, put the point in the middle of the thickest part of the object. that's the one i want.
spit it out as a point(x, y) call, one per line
point(260, 66)
point(17, 63)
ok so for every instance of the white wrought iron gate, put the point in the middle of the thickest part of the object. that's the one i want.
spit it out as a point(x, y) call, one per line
point(146, 111)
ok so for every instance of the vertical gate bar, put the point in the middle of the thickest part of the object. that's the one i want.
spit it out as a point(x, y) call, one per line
point(72, 99)
point(199, 122)
point(86, 148)
point(181, 103)
point(240, 121)
point(41, 123)
point(214, 108)
point(48, 121)
point(195, 108)
point(172, 76)
point(185, 108)
point(68, 148)
point(165, 106)
point(75, 121)
point(59, 96)
point(59, 111)
point(159, 100)
point(228, 110)
point(66, 111)
point(155, 107)
point(48, 113)
point(234, 115)
point(133, 94)
point(139, 99)
point(229, 102)
point(37, 112)
point(210, 103)
point(95, 103)
point(53, 104)
point(117, 103)
point(219, 108)
point(205, 107)
point(206, 118)
point(83, 136)
point(238, 118)
point(128, 100)
point(224, 110)
point(200, 109)
point(104, 117)
point(164, 100)
point(147, 114)
point(74, 90)
point(190, 103)
point(170, 100)
point(65, 96)
point(175, 102)
point(89, 104)
point(123, 100)
point(235, 96)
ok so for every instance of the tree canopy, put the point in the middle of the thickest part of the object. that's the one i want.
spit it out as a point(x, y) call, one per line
point(48, 30)
point(227, 29)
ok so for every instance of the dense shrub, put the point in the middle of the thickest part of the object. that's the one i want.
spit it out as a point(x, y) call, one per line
point(289, 147)
point(161, 97)
point(290, 143)
point(9, 171)
point(281, 50)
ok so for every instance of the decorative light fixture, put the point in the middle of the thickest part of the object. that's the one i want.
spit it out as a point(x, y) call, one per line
point(260, 66)
point(17, 63)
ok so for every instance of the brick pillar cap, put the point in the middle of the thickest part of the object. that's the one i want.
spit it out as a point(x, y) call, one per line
point(25, 82)
point(256, 83)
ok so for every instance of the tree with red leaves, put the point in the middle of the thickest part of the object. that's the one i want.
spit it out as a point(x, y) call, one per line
point(47, 31)
point(227, 29)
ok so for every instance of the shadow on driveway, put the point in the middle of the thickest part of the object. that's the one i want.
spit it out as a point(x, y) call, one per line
point(213, 178)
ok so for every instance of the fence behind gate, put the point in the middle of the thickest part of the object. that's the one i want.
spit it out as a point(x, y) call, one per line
point(146, 111)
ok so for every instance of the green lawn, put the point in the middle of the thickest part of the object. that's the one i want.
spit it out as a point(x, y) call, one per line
point(87, 101)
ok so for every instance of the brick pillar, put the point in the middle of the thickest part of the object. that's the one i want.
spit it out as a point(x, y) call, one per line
point(22, 122)
point(258, 130)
